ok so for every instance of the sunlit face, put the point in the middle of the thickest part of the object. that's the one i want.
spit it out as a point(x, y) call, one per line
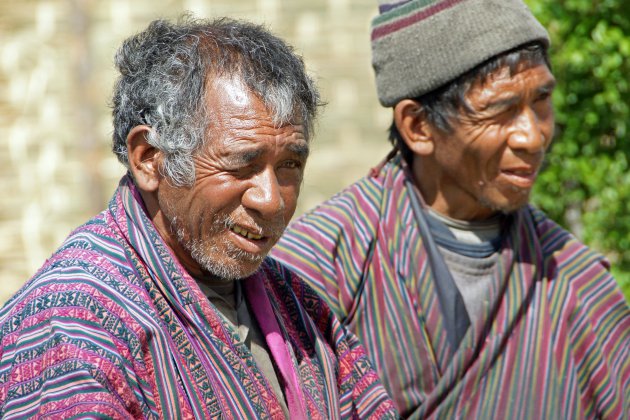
point(248, 178)
point(491, 159)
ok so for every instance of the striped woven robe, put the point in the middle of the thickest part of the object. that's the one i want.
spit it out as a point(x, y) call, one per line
point(112, 326)
point(554, 344)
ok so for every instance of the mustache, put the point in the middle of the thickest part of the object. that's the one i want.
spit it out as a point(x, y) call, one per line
point(273, 228)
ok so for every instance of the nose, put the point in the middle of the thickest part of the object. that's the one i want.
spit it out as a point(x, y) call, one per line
point(264, 195)
point(527, 133)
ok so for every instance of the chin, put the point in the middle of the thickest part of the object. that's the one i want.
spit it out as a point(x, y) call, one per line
point(228, 263)
point(234, 268)
point(506, 200)
point(505, 206)
point(231, 270)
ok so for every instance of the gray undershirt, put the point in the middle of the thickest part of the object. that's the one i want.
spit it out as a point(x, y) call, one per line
point(474, 278)
point(473, 275)
point(228, 298)
point(471, 232)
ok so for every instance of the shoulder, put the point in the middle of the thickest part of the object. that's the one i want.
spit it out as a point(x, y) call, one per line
point(86, 279)
point(84, 314)
point(328, 245)
point(349, 217)
point(354, 206)
point(562, 246)
point(580, 273)
point(72, 322)
point(588, 308)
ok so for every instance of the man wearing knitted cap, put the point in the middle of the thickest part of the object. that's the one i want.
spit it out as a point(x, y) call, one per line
point(470, 302)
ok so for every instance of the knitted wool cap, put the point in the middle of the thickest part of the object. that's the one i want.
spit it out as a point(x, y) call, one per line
point(420, 45)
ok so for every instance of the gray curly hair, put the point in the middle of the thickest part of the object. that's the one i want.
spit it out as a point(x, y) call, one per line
point(163, 73)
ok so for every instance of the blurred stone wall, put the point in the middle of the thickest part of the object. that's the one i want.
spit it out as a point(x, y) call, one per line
point(56, 75)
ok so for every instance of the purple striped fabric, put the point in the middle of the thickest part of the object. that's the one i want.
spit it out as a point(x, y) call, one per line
point(405, 14)
point(555, 343)
point(113, 327)
point(387, 6)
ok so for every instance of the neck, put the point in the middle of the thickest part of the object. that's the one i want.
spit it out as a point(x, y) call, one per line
point(212, 280)
point(441, 193)
point(162, 225)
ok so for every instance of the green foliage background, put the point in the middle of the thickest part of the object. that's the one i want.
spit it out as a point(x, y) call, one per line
point(586, 186)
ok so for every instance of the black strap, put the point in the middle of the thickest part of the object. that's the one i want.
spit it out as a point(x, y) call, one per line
point(456, 318)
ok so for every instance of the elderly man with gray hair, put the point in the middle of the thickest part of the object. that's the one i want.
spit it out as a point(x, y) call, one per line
point(470, 302)
point(165, 305)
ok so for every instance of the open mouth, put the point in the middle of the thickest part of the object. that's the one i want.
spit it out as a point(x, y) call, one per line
point(522, 174)
point(245, 233)
point(523, 178)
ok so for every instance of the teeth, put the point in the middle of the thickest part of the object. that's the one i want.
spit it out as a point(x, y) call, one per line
point(245, 233)
point(253, 236)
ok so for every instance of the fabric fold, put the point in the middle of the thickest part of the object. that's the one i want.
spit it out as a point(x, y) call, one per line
point(278, 346)
point(114, 308)
point(522, 348)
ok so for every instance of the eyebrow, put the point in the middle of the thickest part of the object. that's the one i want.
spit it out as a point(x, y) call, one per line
point(501, 103)
point(547, 87)
point(511, 100)
point(300, 149)
point(245, 157)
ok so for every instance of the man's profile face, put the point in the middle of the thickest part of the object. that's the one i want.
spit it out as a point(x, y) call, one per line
point(490, 160)
point(248, 176)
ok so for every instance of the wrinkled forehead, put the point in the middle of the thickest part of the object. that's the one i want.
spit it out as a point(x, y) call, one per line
point(229, 94)
point(507, 66)
point(523, 72)
point(224, 90)
point(520, 79)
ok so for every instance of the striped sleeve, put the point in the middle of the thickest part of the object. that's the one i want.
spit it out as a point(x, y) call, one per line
point(600, 338)
point(69, 346)
point(56, 359)
point(328, 246)
point(596, 326)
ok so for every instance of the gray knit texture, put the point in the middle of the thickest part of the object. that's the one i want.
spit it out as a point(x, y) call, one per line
point(426, 55)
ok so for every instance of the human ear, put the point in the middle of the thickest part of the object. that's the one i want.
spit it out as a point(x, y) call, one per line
point(143, 159)
point(413, 127)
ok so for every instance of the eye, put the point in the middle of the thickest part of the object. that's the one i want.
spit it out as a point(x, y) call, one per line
point(290, 172)
point(291, 164)
point(504, 113)
point(241, 170)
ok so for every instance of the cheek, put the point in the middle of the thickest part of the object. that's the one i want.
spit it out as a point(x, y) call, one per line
point(173, 204)
point(548, 131)
point(193, 219)
point(290, 196)
point(202, 209)
point(476, 163)
point(546, 122)
point(494, 151)
point(222, 195)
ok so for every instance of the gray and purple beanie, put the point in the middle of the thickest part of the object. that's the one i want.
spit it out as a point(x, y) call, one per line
point(420, 45)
